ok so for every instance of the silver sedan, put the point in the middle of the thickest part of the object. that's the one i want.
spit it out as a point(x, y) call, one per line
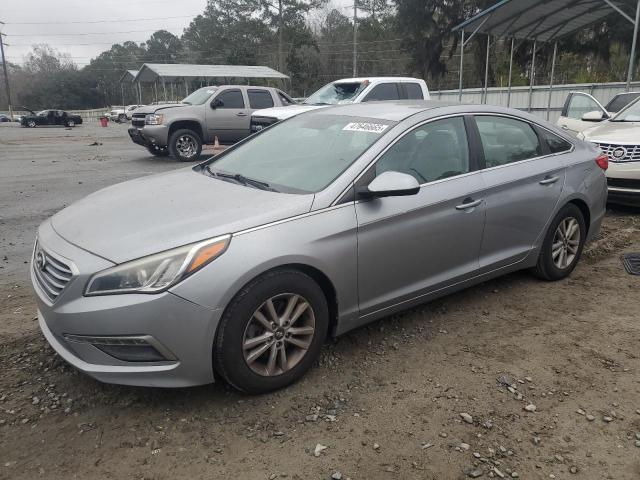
point(243, 265)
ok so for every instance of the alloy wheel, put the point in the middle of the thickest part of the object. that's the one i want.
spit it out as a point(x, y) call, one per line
point(187, 146)
point(566, 243)
point(278, 335)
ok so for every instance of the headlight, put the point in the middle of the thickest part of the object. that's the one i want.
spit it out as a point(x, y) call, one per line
point(157, 272)
point(153, 119)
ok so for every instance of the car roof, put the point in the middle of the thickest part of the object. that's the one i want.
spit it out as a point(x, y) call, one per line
point(378, 79)
point(395, 111)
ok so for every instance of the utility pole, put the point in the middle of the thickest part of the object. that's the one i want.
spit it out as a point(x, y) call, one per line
point(6, 74)
point(280, 28)
point(355, 38)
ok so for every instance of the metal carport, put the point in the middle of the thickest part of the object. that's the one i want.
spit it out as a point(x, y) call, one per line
point(129, 76)
point(541, 21)
point(184, 73)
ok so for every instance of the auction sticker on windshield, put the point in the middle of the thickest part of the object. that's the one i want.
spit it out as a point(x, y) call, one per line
point(366, 127)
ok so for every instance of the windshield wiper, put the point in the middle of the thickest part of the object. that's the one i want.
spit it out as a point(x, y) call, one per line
point(242, 180)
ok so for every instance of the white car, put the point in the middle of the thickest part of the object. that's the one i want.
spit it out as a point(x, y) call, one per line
point(581, 110)
point(346, 90)
point(122, 114)
point(619, 138)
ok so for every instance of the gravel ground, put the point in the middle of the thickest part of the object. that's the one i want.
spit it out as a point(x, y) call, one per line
point(515, 378)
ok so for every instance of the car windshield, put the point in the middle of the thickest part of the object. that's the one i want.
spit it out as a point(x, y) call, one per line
point(301, 155)
point(630, 114)
point(620, 101)
point(200, 96)
point(334, 93)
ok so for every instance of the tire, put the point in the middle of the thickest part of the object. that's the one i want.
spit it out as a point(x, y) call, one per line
point(239, 325)
point(71, 123)
point(31, 124)
point(122, 118)
point(185, 145)
point(158, 152)
point(551, 268)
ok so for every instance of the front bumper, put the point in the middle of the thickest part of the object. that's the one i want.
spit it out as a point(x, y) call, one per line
point(623, 183)
point(150, 135)
point(183, 331)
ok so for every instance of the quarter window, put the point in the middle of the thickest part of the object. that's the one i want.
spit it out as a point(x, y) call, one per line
point(231, 99)
point(383, 91)
point(556, 144)
point(260, 99)
point(506, 140)
point(285, 99)
point(414, 91)
point(430, 152)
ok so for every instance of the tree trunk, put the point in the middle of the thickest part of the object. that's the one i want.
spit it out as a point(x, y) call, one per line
point(280, 26)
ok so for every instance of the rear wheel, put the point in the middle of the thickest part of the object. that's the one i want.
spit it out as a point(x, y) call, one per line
point(562, 245)
point(272, 332)
point(158, 151)
point(185, 145)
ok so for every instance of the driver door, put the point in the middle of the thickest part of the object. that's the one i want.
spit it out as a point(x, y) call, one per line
point(576, 105)
point(228, 116)
point(411, 245)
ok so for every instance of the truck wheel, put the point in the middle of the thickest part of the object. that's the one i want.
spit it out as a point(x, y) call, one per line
point(185, 145)
point(122, 118)
point(158, 152)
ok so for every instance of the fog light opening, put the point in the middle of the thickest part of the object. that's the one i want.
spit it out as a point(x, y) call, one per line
point(143, 348)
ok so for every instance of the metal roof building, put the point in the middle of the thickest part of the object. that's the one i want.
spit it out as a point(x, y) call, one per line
point(543, 21)
point(152, 72)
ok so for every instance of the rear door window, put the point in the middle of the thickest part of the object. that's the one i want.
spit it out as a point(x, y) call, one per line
point(506, 140)
point(414, 91)
point(231, 99)
point(260, 99)
point(383, 91)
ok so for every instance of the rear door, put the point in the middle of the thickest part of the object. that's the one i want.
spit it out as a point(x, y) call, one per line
point(411, 245)
point(524, 179)
point(228, 115)
point(576, 105)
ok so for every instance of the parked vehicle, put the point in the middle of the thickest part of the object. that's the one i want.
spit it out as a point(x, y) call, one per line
point(581, 110)
point(619, 139)
point(4, 118)
point(122, 114)
point(347, 90)
point(208, 113)
point(50, 117)
point(320, 224)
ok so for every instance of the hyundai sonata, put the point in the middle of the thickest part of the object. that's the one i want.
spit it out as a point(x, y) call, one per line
point(243, 264)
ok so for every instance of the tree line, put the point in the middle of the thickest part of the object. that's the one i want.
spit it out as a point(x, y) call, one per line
point(312, 42)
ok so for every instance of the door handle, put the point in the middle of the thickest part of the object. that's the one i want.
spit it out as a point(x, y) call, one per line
point(468, 204)
point(549, 180)
point(241, 114)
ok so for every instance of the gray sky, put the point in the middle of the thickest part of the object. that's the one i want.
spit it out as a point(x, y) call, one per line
point(97, 23)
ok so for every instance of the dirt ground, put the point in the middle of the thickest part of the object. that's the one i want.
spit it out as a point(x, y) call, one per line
point(385, 400)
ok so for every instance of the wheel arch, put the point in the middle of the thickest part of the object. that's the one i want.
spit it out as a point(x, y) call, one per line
point(186, 124)
point(584, 209)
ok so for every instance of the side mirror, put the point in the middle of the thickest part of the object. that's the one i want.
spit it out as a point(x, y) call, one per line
point(390, 184)
point(217, 103)
point(594, 116)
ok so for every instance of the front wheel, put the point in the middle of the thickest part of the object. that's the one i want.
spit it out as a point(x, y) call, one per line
point(122, 118)
point(31, 124)
point(562, 245)
point(271, 332)
point(71, 123)
point(185, 145)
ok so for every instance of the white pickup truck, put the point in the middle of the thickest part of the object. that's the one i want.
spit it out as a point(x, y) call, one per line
point(346, 90)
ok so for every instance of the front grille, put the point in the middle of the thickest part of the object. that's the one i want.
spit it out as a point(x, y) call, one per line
point(620, 153)
point(260, 123)
point(624, 183)
point(52, 274)
point(137, 120)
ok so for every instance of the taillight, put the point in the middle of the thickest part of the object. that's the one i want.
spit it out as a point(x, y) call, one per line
point(603, 161)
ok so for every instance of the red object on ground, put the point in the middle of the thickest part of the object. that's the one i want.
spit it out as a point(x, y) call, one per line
point(104, 121)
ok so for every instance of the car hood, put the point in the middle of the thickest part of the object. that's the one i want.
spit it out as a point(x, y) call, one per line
point(614, 132)
point(151, 214)
point(163, 106)
point(282, 113)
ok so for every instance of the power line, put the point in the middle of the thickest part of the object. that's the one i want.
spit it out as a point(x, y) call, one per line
point(82, 33)
point(102, 21)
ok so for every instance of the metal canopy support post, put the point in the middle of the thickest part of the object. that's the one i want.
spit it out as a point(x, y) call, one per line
point(186, 88)
point(531, 77)
point(164, 88)
point(510, 71)
point(155, 88)
point(633, 47)
point(461, 64)
point(486, 69)
point(553, 71)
